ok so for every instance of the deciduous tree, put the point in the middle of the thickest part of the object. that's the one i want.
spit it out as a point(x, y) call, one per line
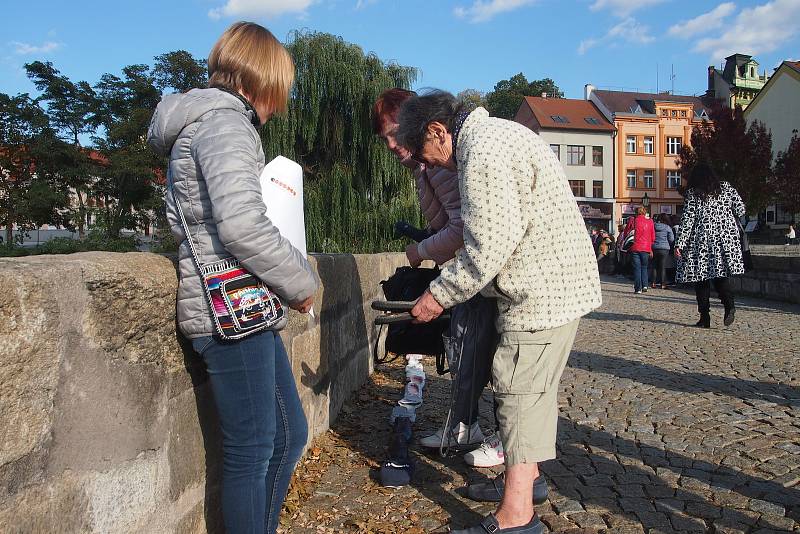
point(30, 194)
point(738, 153)
point(787, 175)
point(179, 70)
point(355, 188)
point(504, 101)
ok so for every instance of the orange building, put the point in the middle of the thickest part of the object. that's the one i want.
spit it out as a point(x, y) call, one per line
point(651, 130)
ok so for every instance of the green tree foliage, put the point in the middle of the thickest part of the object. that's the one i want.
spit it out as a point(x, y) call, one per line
point(787, 175)
point(471, 98)
point(179, 70)
point(126, 177)
point(506, 98)
point(355, 189)
point(29, 152)
point(73, 111)
point(738, 153)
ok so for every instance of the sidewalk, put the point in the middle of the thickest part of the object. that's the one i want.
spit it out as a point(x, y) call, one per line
point(664, 428)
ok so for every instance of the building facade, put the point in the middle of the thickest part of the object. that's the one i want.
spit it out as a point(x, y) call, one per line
point(583, 140)
point(777, 106)
point(651, 129)
point(738, 83)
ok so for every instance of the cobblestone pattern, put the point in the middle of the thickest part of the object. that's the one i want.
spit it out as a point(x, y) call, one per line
point(664, 428)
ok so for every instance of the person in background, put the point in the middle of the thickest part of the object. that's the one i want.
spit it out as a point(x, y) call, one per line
point(708, 247)
point(621, 257)
point(790, 235)
point(215, 160)
point(661, 248)
point(642, 250)
point(510, 182)
point(440, 200)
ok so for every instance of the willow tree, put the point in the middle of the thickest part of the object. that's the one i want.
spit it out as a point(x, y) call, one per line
point(355, 189)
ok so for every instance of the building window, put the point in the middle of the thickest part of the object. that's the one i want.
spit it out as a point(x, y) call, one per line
point(591, 120)
point(674, 112)
point(674, 145)
point(630, 144)
point(673, 179)
point(683, 113)
point(665, 113)
point(597, 189)
point(578, 188)
point(557, 151)
point(559, 119)
point(632, 179)
point(576, 155)
point(597, 156)
point(647, 178)
point(648, 145)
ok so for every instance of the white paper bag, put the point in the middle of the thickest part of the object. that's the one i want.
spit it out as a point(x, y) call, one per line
point(282, 190)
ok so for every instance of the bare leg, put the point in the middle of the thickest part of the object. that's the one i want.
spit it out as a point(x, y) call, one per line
point(516, 508)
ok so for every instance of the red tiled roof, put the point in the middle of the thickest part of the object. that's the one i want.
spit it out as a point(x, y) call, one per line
point(627, 102)
point(567, 114)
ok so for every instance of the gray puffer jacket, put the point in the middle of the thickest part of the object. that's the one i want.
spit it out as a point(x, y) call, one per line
point(215, 160)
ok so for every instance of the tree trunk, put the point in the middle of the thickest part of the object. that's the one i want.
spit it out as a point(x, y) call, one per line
point(81, 215)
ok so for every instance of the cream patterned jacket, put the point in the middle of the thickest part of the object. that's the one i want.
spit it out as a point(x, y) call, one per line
point(525, 242)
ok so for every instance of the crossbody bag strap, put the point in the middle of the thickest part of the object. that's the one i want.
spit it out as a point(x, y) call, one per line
point(183, 222)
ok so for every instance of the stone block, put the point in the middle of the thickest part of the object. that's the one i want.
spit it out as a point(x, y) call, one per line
point(59, 505)
point(194, 444)
point(31, 344)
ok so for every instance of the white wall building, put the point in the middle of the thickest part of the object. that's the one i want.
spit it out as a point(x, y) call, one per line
point(778, 107)
point(583, 140)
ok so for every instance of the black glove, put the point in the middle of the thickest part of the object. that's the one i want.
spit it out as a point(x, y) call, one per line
point(404, 229)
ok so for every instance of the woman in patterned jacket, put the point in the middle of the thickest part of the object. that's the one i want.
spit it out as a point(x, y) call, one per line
point(708, 247)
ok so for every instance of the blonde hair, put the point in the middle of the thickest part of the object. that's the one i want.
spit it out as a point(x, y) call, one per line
point(247, 58)
point(641, 210)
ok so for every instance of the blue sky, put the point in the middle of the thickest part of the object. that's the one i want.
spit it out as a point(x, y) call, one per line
point(457, 44)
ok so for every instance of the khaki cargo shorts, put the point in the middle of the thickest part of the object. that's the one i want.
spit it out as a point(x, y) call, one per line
point(526, 372)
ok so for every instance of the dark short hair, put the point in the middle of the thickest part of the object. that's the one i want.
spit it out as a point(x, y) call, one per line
point(387, 106)
point(418, 112)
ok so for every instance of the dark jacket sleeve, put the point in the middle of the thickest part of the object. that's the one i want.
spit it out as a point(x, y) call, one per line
point(226, 153)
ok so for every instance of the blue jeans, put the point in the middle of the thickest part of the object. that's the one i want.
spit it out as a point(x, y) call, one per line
point(641, 266)
point(264, 429)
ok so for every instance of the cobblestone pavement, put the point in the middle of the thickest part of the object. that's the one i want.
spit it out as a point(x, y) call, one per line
point(663, 428)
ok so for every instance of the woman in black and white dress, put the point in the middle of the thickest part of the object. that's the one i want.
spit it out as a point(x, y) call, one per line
point(708, 246)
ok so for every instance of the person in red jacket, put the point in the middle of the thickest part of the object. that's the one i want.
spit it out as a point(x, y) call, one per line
point(642, 249)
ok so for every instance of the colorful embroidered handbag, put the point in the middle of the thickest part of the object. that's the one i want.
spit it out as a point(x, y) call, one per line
point(241, 304)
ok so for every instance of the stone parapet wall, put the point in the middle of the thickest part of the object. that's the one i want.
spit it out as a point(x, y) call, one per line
point(775, 277)
point(106, 419)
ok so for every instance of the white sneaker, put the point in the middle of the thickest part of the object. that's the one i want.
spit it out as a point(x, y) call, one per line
point(459, 436)
point(489, 454)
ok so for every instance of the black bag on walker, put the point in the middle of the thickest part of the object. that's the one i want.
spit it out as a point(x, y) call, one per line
point(408, 284)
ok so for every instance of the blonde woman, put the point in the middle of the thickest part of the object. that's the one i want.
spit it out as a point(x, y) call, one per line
point(215, 159)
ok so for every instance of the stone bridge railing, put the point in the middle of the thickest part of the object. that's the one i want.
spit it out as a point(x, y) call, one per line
point(106, 418)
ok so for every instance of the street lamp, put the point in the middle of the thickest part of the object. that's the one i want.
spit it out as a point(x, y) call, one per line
point(646, 201)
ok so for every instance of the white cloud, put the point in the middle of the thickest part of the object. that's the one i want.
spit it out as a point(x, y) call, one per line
point(259, 8)
point(25, 49)
point(481, 11)
point(623, 8)
point(704, 23)
point(756, 30)
point(361, 4)
point(629, 30)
